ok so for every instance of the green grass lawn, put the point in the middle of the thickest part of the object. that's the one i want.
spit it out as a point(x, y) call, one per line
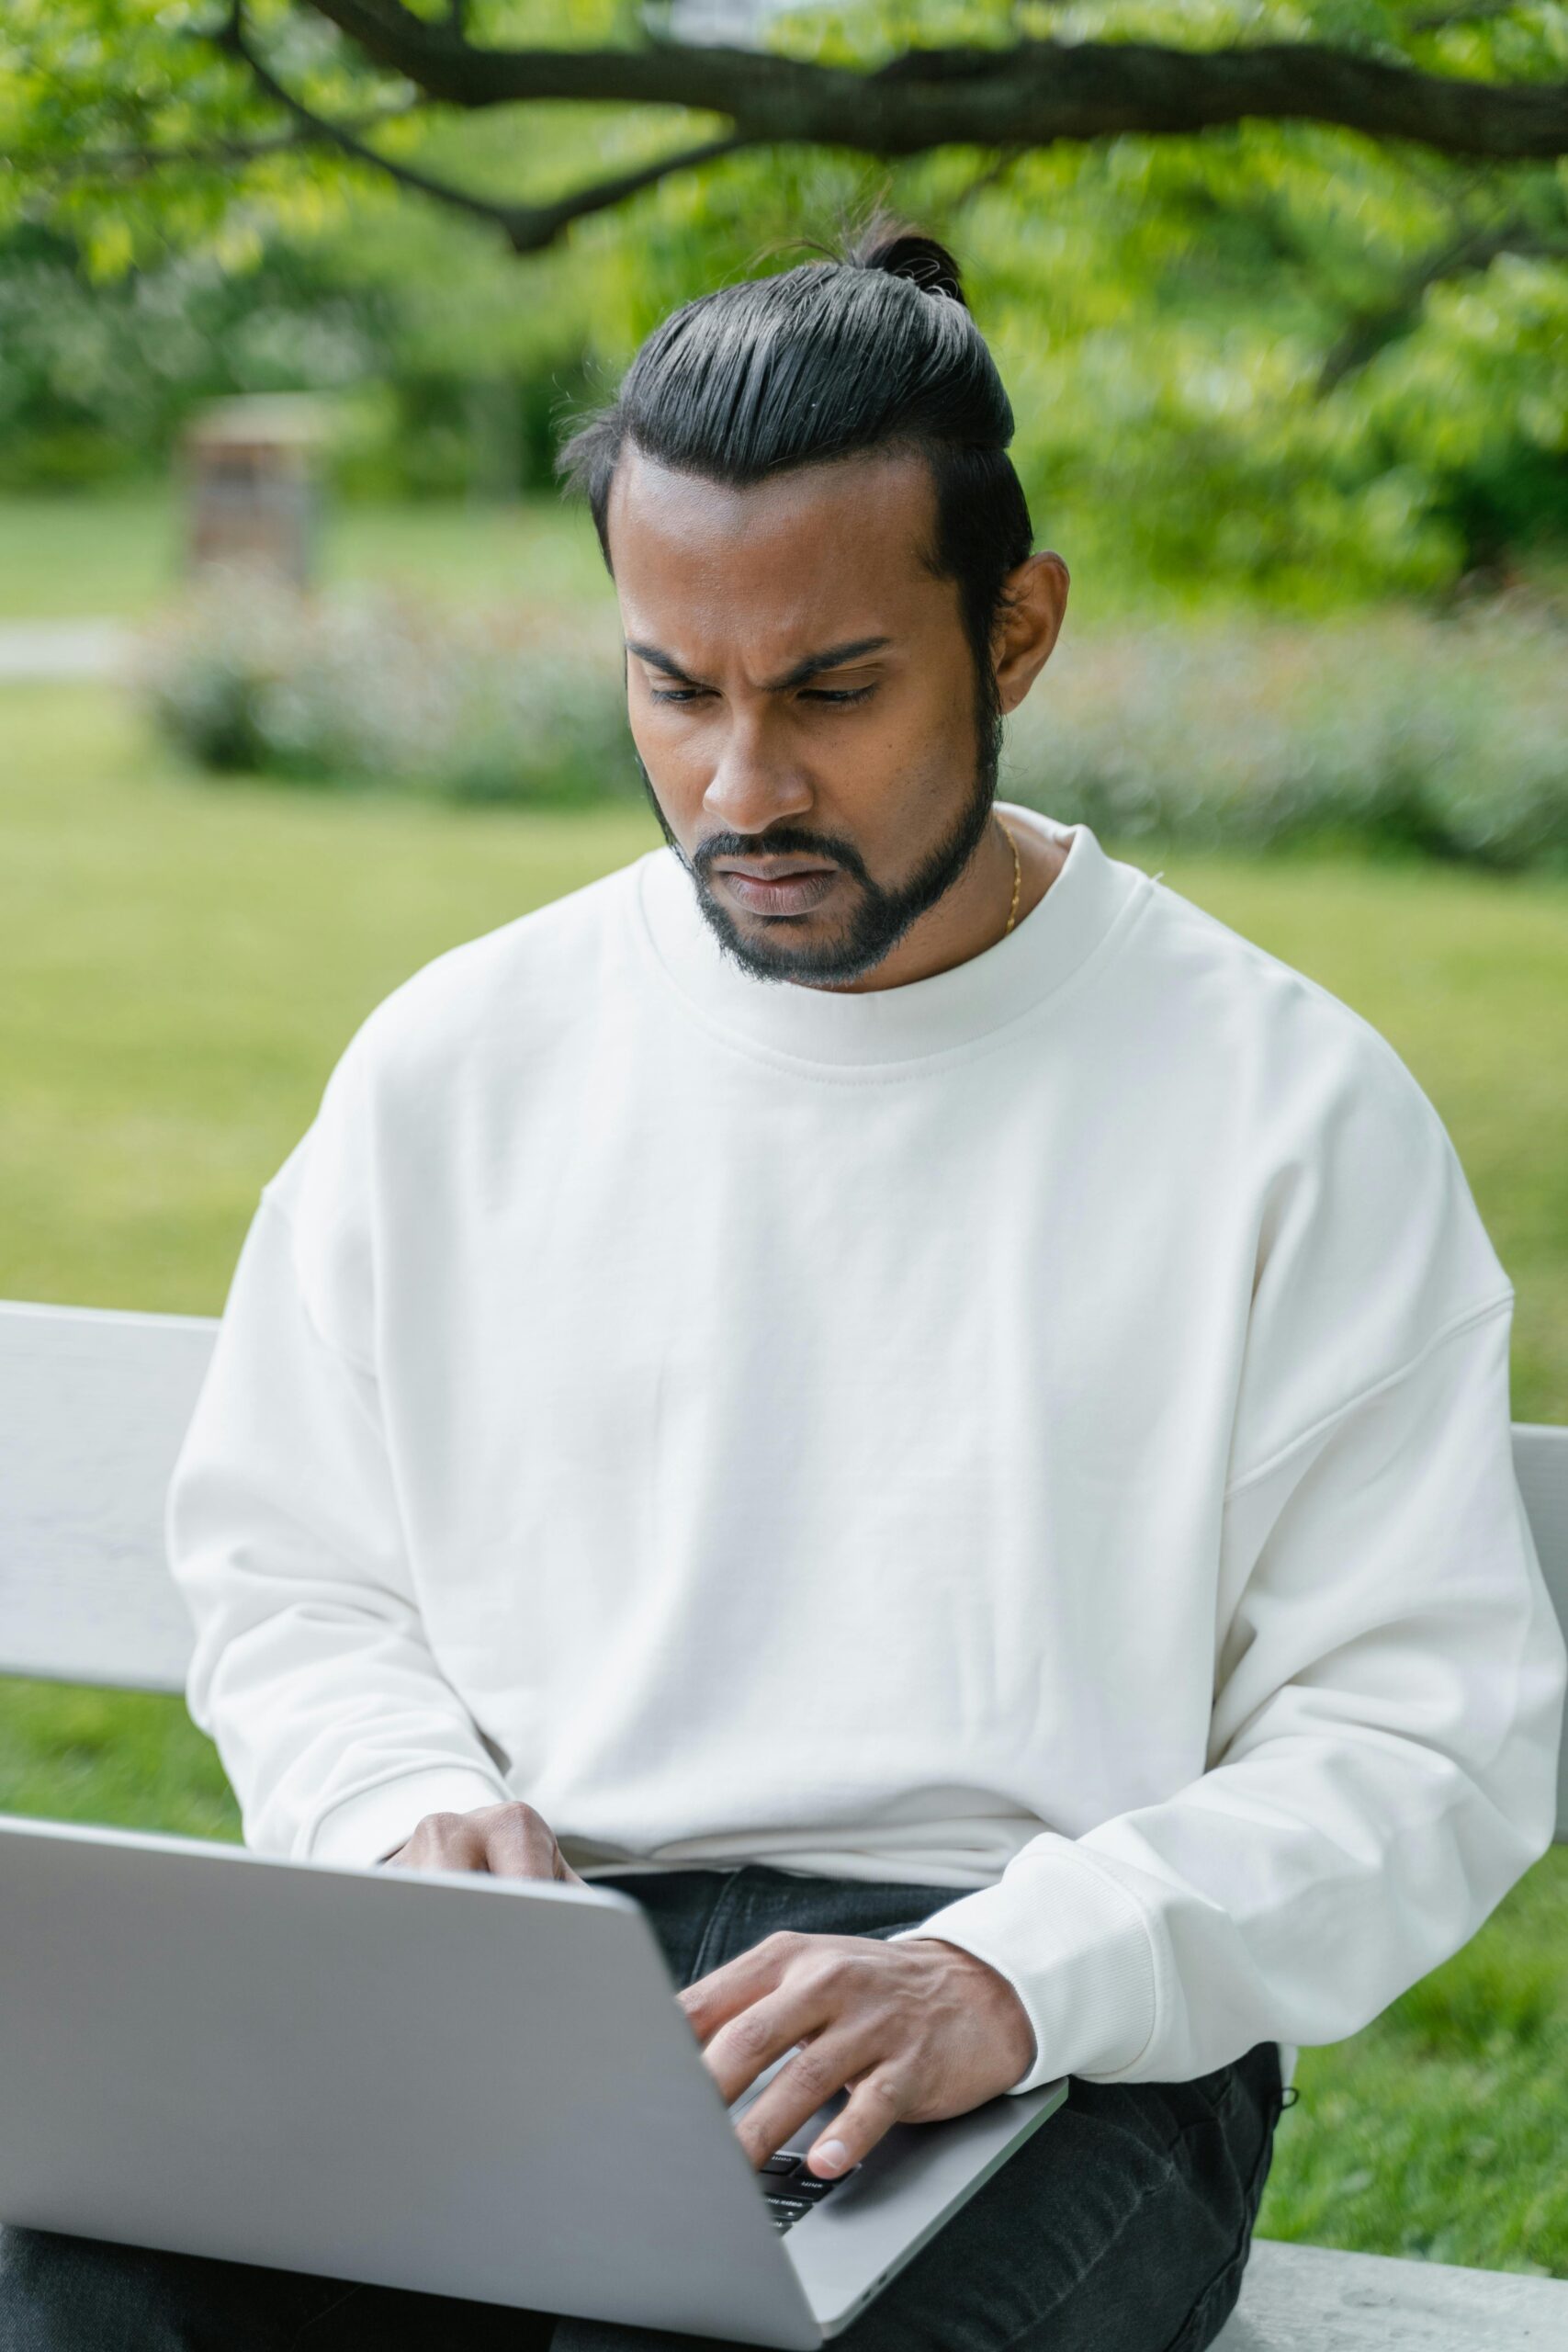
point(180, 965)
point(117, 556)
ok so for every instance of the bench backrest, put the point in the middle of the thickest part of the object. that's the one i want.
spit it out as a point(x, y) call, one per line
point(92, 1406)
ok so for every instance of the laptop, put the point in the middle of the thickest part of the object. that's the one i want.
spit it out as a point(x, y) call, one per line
point(467, 2086)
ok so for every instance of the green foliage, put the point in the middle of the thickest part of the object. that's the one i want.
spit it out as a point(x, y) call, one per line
point(1276, 358)
point(449, 363)
point(122, 122)
point(98, 380)
point(1221, 370)
point(384, 692)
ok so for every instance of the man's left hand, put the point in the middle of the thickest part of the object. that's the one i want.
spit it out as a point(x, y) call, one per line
point(916, 2031)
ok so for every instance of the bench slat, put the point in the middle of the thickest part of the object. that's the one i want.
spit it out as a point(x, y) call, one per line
point(92, 1406)
point(1314, 2299)
point(1541, 1459)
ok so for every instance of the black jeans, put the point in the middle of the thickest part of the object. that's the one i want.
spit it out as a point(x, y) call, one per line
point(1122, 2225)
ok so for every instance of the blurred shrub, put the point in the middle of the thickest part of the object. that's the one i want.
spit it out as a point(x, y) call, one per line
point(1389, 731)
point(381, 691)
point(1393, 732)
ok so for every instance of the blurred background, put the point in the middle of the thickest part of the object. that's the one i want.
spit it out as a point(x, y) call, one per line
point(306, 674)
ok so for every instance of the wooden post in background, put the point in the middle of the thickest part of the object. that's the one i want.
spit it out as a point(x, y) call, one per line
point(253, 493)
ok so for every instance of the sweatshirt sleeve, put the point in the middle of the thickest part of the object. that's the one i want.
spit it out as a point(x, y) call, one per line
point(1390, 1676)
point(310, 1669)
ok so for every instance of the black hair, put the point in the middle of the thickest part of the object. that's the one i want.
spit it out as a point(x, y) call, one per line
point(874, 350)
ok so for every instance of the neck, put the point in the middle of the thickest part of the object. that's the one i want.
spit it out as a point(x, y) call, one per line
point(969, 918)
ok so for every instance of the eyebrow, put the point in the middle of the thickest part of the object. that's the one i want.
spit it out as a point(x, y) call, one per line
point(832, 657)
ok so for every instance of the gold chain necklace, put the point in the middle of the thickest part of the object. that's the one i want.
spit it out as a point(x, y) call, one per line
point(1017, 871)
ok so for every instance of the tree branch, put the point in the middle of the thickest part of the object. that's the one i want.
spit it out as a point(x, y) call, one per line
point(1477, 249)
point(1439, 21)
point(529, 227)
point(1031, 94)
point(994, 174)
point(86, 161)
point(533, 227)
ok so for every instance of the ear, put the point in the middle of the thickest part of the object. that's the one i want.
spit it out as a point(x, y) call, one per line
point(1035, 602)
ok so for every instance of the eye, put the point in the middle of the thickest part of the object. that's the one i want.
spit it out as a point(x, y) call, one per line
point(676, 693)
point(843, 695)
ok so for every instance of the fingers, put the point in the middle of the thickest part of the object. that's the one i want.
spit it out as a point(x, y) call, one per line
point(444, 1841)
point(811, 1967)
point(819, 2070)
point(741, 2049)
point(879, 2100)
point(505, 1840)
point(725, 1991)
point(520, 1843)
point(914, 2031)
point(824, 1998)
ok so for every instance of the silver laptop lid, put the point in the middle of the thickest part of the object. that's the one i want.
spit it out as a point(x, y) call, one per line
point(913, 2181)
point(460, 2084)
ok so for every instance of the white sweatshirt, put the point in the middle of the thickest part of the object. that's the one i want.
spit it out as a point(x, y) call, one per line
point(1040, 1433)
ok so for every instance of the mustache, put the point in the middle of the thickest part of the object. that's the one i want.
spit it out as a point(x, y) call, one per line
point(779, 841)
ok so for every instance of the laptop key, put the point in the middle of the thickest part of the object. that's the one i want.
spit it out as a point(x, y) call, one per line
point(790, 2195)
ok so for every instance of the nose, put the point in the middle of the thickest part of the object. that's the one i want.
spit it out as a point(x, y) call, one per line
point(757, 781)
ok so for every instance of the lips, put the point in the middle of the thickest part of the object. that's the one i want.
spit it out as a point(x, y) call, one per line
point(778, 889)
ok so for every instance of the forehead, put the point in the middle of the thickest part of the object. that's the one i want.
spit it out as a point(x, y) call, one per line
point(817, 556)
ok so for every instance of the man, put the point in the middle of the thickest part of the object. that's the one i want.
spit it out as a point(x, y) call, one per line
point(884, 1383)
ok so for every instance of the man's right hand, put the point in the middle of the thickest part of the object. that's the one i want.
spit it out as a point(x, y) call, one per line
point(507, 1840)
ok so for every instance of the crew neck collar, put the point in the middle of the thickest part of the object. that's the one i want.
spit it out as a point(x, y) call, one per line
point(1091, 896)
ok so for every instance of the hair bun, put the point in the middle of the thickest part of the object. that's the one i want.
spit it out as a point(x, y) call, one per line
point(905, 252)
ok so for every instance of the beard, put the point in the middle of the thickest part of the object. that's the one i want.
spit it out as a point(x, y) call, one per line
point(881, 915)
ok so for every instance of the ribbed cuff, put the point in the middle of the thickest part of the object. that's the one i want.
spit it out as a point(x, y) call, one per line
point(1073, 1944)
point(372, 1823)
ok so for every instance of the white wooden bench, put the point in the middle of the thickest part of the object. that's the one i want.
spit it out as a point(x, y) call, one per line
point(92, 1406)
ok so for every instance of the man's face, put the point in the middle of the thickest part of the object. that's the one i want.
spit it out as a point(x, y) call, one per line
point(804, 702)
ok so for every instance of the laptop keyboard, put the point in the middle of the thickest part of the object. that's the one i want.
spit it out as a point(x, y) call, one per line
point(791, 2190)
